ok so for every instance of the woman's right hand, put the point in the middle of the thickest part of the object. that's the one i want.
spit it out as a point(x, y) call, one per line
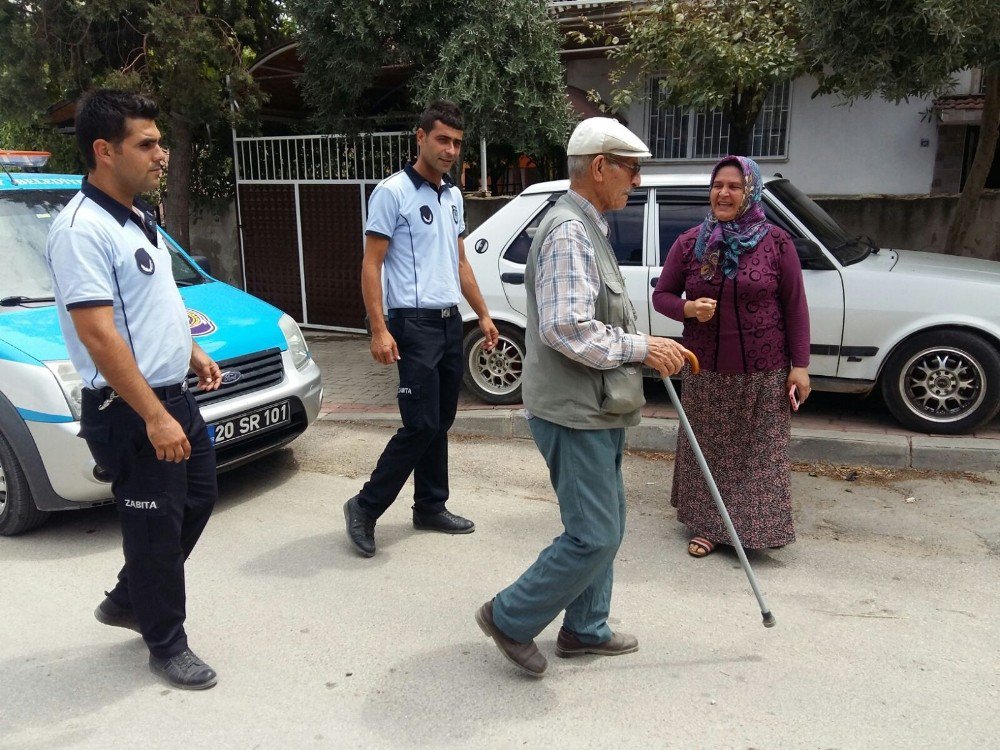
point(702, 308)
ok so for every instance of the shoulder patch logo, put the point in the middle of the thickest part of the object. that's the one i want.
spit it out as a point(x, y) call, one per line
point(144, 262)
point(199, 323)
point(426, 215)
point(454, 213)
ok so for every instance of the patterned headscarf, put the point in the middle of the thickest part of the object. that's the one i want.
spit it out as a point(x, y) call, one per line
point(726, 240)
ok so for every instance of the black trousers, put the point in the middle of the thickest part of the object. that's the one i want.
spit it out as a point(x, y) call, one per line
point(430, 375)
point(163, 508)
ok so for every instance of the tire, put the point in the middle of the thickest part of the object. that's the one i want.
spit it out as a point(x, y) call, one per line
point(495, 376)
point(945, 382)
point(17, 508)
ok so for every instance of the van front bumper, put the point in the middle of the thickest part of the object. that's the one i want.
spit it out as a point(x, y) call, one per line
point(71, 469)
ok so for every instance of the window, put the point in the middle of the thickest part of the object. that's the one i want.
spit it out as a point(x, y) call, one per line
point(626, 230)
point(685, 133)
point(625, 225)
point(679, 212)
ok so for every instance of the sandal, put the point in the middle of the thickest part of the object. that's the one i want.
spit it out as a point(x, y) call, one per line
point(699, 546)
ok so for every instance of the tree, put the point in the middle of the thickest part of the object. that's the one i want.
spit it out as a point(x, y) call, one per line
point(726, 54)
point(913, 48)
point(189, 55)
point(497, 59)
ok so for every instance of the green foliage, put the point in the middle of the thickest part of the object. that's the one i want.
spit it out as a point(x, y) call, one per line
point(899, 49)
point(498, 59)
point(502, 67)
point(188, 55)
point(724, 53)
point(39, 136)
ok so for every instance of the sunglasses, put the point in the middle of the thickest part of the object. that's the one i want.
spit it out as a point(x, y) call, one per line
point(632, 168)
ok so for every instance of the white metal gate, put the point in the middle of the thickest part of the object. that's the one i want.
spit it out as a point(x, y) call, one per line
point(302, 204)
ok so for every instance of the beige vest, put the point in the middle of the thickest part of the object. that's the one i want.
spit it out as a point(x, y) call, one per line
point(559, 389)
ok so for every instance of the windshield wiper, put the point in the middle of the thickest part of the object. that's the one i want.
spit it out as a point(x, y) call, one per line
point(870, 242)
point(18, 300)
point(845, 243)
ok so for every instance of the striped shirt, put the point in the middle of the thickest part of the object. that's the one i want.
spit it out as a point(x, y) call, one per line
point(566, 288)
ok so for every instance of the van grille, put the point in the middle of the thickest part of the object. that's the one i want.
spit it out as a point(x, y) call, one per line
point(257, 371)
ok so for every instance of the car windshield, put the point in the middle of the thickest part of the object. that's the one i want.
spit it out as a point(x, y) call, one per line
point(25, 218)
point(834, 237)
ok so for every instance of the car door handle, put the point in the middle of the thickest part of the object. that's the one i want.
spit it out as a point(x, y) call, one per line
point(512, 278)
point(652, 281)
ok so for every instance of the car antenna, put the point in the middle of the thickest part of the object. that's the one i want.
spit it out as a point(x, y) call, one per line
point(7, 172)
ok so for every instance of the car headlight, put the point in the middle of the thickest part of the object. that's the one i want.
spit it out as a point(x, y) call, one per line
point(70, 382)
point(297, 346)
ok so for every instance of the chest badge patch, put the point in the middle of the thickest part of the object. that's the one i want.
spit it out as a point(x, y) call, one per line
point(144, 262)
point(426, 215)
point(199, 323)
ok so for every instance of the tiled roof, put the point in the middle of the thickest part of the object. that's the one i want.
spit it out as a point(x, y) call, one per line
point(960, 101)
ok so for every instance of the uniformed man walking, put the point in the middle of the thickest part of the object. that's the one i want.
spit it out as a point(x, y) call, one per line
point(414, 231)
point(127, 333)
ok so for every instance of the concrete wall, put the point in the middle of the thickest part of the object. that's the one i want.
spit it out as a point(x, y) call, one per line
point(215, 237)
point(873, 146)
point(918, 222)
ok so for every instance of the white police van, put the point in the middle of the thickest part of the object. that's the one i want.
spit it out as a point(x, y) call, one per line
point(271, 389)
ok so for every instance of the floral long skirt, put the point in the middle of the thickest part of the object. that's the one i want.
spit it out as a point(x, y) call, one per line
point(742, 423)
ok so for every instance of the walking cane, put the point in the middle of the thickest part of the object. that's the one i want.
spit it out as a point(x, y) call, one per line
point(695, 368)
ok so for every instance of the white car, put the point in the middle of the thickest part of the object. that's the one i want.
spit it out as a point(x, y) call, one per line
point(924, 327)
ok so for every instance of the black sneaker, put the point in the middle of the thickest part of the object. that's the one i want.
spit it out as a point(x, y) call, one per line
point(109, 613)
point(185, 671)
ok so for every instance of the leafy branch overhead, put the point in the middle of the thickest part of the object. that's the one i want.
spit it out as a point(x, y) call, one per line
point(189, 55)
point(726, 54)
point(498, 59)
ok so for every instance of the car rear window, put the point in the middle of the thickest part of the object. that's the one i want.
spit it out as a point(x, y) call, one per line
point(625, 226)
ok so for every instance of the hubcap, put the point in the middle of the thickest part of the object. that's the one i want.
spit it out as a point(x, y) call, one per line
point(942, 384)
point(3, 489)
point(497, 372)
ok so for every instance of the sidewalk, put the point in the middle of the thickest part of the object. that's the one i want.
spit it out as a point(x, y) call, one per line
point(832, 428)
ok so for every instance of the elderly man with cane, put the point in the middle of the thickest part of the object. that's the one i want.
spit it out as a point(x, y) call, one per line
point(582, 388)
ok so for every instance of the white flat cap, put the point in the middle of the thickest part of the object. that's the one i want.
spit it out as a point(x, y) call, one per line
point(605, 135)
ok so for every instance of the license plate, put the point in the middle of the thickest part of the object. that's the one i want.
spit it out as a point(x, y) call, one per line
point(251, 423)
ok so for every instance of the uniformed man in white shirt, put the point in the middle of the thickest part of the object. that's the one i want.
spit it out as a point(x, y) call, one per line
point(414, 232)
point(127, 333)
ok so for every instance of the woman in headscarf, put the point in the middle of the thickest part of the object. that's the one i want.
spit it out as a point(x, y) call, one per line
point(745, 317)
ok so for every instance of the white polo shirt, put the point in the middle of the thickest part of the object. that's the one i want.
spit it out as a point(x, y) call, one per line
point(101, 253)
point(423, 225)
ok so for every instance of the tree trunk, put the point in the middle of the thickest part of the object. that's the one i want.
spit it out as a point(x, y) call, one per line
point(179, 181)
point(742, 114)
point(968, 201)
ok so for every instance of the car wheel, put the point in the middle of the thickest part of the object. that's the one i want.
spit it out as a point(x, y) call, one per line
point(17, 508)
point(945, 382)
point(495, 376)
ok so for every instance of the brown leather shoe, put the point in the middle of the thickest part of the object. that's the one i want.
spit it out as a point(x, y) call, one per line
point(525, 656)
point(567, 644)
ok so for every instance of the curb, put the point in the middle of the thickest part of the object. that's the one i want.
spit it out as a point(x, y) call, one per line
point(936, 453)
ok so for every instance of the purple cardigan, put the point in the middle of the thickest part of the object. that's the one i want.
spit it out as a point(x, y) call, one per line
point(761, 321)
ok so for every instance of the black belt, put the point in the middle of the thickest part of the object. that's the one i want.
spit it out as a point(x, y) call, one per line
point(422, 312)
point(162, 391)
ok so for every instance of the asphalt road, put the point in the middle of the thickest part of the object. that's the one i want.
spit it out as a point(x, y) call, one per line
point(886, 605)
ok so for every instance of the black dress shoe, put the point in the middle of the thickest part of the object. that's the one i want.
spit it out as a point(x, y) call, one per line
point(360, 528)
point(185, 671)
point(109, 613)
point(446, 522)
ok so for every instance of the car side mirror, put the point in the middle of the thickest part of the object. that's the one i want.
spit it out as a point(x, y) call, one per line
point(203, 263)
point(811, 255)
